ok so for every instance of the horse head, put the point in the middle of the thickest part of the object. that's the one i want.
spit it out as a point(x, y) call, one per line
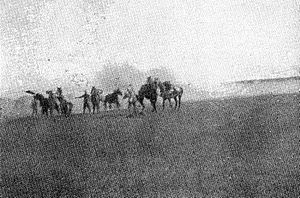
point(59, 91)
point(49, 92)
point(118, 92)
point(161, 86)
point(126, 95)
point(38, 97)
point(93, 90)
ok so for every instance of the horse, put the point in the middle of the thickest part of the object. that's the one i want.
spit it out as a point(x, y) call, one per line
point(112, 98)
point(96, 97)
point(148, 91)
point(132, 99)
point(65, 106)
point(53, 102)
point(168, 91)
point(44, 103)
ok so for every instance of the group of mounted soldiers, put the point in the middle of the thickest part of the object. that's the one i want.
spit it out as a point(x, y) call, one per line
point(56, 101)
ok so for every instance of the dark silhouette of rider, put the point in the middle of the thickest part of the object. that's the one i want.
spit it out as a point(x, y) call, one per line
point(151, 82)
point(168, 85)
point(86, 98)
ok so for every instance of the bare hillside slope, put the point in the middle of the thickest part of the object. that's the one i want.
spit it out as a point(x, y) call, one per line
point(245, 147)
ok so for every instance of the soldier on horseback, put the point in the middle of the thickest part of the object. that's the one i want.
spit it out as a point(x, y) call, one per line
point(96, 97)
point(168, 92)
point(59, 93)
point(149, 80)
point(152, 82)
point(169, 87)
point(130, 90)
point(65, 106)
point(131, 95)
point(148, 91)
point(52, 102)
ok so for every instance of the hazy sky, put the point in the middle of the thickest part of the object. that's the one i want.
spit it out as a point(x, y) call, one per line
point(204, 42)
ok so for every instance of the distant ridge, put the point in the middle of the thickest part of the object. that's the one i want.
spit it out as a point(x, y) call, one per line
point(264, 80)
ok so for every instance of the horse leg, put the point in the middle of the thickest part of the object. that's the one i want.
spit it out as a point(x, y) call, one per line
point(179, 101)
point(141, 101)
point(33, 111)
point(143, 105)
point(56, 108)
point(43, 111)
point(134, 108)
point(60, 109)
point(66, 110)
point(169, 99)
point(98, 106)
point(129, 105)
point(154, 106)
point(70, 107)
point(163, 103)
point(175, 98)
point(89, 108)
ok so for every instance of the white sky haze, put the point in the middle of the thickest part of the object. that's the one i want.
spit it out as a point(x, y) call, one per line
point(203, 42)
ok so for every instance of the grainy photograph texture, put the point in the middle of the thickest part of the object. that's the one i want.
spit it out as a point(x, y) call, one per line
point(149, 98)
